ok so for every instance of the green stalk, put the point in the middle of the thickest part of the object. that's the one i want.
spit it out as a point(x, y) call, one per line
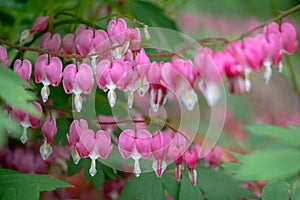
point(293, 80)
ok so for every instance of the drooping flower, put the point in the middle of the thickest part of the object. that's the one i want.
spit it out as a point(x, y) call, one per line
point(213, 158)
point(68, 44)
point(51, 42)
point(211, 70)
point(159, 150)
point(289, 42)
point(157, 90)
point(176, 152)
point(190, 159)
point(135, 145)
point(78, 81)
point(27, 120)
point(91, 42)
point(119, 35)
point(94, 146)
point(49, 130)
point(141, 65)
point(179, 76)
point(40, 24)
point(23, 68)
point(109, 76)
point(3, 56)
point(76, 129)
point(49, 72)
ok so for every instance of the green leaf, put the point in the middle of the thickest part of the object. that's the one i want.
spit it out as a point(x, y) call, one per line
point(98, 179)
point(291, 135)
point(270, 165)
point(28, 192)
point(218, 186)
point(73, 168)
point(189, 191)
point(275, 191)
point(13, 92)
point(145, 187)
point(17, 185)
point(231, 167)
point(62, 130)
point(150, 14)
point(171, 185)
point(9, 125)
point(295, 194)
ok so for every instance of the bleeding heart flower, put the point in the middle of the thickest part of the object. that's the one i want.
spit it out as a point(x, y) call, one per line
point(40, 24)
point(213, 158)
point(49, 130)
point(78, 81)
point(49, 72)
point(94, 146)
point(76, 129)
point(51, 42)
point(190, 159)
point(3, 56)
point(23, 68)
point(159, 150)
point(27, 120)
point(135, 145)
point(111, 76)
point(176, 150)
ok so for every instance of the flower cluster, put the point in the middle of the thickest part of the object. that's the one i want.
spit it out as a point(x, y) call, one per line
point(240, 58)
point(160, 147)
point(114, 60)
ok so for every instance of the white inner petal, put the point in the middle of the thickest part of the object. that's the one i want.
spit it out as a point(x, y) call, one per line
point(45, 150)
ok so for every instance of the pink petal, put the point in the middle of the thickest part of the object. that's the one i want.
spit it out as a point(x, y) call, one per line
point(51, 42)
point(136, 39)
point(274, 49)
point(175, 153)
point(118, 70)
point(40, 24)
point(69, 76)
point(86, 143)
point(289, 38)
point(84, 42)
point(68, 43)
point(54, 71)
point(101, 41)
point(41, 64)
point(190, 159)
point(154, 73)
point(141, 59)
point(76, 129)
point(103, 143)
point(35, 120)
point(272, 28)
point(102, 73)
point(126, 142)
point(49, 129)
point(85, 78)
point(117, 31)
point(158, 146)
point(3, 56)
point(143, 142)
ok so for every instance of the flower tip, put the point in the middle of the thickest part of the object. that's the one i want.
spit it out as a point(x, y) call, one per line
point(147, 34)
point(26, 37)
point(45, 150)
point(112, 97)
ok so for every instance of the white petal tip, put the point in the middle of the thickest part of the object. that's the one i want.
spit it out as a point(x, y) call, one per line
point(45, 151)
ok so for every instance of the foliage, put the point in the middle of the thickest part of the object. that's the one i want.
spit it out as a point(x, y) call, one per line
point(17, 185)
